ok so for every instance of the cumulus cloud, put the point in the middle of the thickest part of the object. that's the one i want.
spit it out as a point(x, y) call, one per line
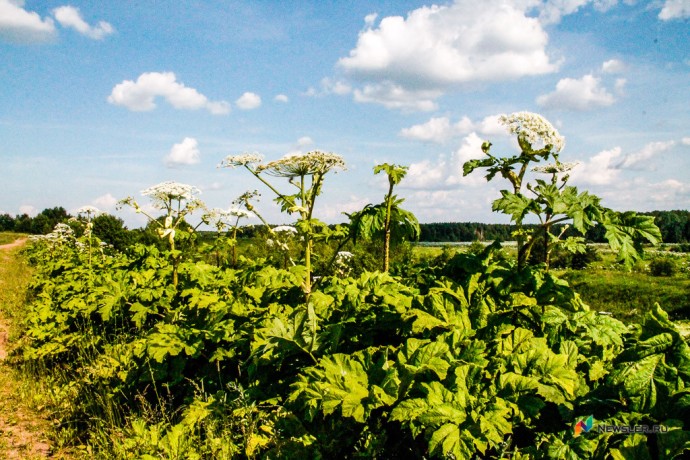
point(105, 202)
point(69, 16)
point(18, 25)
point(185, 153)
point(248, 101)
point(639, 159)
point(441, 130)
point(408, 62)
point(329, 86)
point(551, 12)
point(601, 169)
point(396, 97)
point(302, 144)
point(281, 98)
point(446, 172)
point(675, 9)
point(613, 66)
point(605, 167)
point(573, 94)
point(140, 95)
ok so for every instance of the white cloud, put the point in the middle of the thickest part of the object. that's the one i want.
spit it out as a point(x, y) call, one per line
point(446, 173)
point(299, 146)
point(20, 26)
point(440, 129)
point(605, 167)
point(675, 9)
point(396, 97)
point(69, 16)
point(685, 141)
point(572, 94)
point(248, 101)
point(436, 47)
point(334, 211)
point(304, 141)
point(28, 209)
point(552, 11)
point(370, 19)
point(185, 153)
point(601, 169)
point(638, 160)
point(105, 202)
point(140, 96)
point(613, 66)
point(281, 98)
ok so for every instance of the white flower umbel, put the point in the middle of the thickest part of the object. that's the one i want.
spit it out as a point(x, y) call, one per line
point(285, 229)
point(224, 218)
point(164, 193)
point(244, 159)
point(555, 168)
point(89, 211)
point(310, 163)
point(537, 130)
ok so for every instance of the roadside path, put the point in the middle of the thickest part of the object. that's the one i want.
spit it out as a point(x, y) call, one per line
point(22, 429)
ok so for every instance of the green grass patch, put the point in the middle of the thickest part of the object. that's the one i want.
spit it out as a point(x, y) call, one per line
point(10, 237)
point(630, 295)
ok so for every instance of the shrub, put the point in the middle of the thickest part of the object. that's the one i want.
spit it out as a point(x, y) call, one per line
point(662, 266)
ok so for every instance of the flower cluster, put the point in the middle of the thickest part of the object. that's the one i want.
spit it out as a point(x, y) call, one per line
point(535, 129)
point(90, 211)
point(555, 168)
point(232, 161)
point(222, 218)
point(285, 229)
point(170, 190)
point(308, 164)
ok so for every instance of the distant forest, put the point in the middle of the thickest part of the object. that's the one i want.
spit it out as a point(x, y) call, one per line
point(674, 226)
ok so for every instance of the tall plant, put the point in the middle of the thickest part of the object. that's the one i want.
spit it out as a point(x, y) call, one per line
point(382, 219)
point(177, 200)
point(306, 173)
point(554, 202)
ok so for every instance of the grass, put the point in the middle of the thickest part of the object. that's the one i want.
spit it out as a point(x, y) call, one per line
point(24, 427)
point(628, 295)
point(10, 237)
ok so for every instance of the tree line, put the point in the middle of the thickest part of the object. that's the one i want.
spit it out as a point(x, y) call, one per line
point(674, 226)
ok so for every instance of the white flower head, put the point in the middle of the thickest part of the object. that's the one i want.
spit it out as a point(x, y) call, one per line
point(344, 255)
point(164, 193)
point(555, 168)
point(310, 163)
point(221, 218)
point(89, 211)
point(244, 159)
point(537, 130)
point(285, 229)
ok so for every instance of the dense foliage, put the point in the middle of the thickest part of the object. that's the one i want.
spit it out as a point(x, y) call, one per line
point(180, 350)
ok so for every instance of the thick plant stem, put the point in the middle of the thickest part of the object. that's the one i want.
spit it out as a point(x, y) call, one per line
point(387, 227)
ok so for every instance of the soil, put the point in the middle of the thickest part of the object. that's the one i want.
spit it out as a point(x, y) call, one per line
point(21, 429)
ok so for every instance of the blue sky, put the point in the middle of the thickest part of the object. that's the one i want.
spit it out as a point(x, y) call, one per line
point(101, 100)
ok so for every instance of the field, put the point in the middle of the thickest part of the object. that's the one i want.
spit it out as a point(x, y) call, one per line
point(214, 368)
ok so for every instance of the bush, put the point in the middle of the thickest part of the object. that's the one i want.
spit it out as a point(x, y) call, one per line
point(662, 266)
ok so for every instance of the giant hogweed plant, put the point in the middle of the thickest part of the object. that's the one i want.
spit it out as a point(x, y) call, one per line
point(386, 220)
point(554, 201)
point(177, 200)
point(305, 172)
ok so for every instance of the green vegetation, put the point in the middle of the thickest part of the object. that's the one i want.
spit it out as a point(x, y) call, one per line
point(10, 237)
point(200, 348)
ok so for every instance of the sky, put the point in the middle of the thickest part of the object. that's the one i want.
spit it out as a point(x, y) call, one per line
point(101, 100)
